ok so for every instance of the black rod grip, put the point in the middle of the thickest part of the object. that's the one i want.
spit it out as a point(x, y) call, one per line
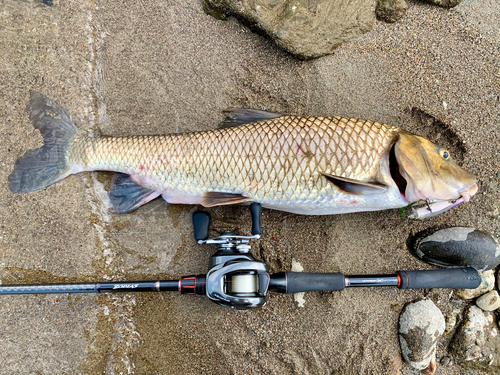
point(454, 278)
point(297, 282)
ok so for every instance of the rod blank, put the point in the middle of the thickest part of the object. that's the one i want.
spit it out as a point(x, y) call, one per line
point(104, 287)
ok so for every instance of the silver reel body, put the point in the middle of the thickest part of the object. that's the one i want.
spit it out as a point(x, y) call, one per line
point(235, 278)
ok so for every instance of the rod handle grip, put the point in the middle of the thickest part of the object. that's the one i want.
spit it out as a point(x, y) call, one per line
point(297, 282)
point(454, 278)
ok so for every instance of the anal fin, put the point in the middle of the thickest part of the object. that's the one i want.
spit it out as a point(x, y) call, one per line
point(125, 195)
point(356, 187)
point(214, 198)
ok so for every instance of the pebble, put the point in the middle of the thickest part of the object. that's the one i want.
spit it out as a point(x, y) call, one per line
point(450, 323)
point(476, 344)
point(447, 361)
point(489, 301)
point(487, 284)
point(391, 10)
point(458, 247)
point(421, 324)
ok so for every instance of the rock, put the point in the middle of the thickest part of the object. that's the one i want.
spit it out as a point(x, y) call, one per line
point(306, 29)
point(445, 3)
point(421, 324)
point(450, 322)
point(390, 10)
point(489, 301)
point(487, 284)
point(447, 361)
point(476, 343)
point(457, 247)
point(498, 278)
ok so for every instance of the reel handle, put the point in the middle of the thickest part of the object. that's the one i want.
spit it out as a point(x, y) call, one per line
point(201, 222)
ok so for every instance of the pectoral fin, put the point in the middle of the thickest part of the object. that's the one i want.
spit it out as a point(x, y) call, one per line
point(125, 195)
point(350, 186)
point(214, 198)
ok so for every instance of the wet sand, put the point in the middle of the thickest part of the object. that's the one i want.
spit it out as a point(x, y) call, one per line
point(151, 67)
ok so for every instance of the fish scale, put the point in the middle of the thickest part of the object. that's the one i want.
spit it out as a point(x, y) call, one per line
point(305, 165)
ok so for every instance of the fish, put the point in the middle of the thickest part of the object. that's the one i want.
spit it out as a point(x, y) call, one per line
point(298, 164)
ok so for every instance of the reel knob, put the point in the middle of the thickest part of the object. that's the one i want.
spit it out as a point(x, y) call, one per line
point(256, 212)
point(201, 222)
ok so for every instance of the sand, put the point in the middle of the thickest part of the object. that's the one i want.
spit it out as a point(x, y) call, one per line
point(151, 67)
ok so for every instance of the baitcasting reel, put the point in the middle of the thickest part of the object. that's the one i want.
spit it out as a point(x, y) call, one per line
point(235, 278)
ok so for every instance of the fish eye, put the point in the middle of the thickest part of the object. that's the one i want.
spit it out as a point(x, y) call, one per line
point(445, 154)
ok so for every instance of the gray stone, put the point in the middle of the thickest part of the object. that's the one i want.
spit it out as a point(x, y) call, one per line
point(421, 324)
point(476, 343)
point(458, 247)
point(445, 3)
point(391, 10)
point(306, 29)
point(487, 284)
point(489, 301)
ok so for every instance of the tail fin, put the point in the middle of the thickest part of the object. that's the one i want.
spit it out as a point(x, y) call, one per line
point(44, 166)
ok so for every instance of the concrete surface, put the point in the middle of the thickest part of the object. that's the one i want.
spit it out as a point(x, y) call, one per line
point(151, 67)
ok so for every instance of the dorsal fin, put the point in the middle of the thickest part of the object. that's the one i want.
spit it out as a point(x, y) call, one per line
point(356, 187)
point(242, 116)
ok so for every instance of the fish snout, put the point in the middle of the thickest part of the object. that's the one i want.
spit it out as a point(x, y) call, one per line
point(468, 193)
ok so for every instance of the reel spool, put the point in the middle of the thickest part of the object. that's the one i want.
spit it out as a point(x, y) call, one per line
point(244, 284)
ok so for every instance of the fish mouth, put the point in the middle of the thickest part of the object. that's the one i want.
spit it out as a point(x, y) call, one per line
point(429, 208)
point(398, 179)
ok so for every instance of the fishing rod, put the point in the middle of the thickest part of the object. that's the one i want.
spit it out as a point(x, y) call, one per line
point(237, 280)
